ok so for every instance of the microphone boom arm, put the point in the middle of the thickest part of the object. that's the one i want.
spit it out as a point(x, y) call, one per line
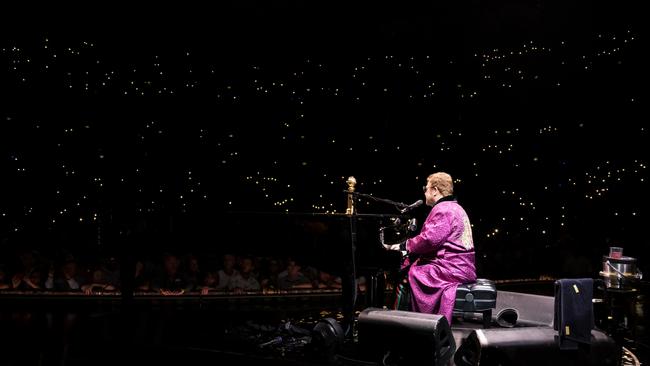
point(398, 205)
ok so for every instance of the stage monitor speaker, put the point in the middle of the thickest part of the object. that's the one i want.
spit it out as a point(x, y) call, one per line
point(533, 346)
point(531, 310)
point(405, 337)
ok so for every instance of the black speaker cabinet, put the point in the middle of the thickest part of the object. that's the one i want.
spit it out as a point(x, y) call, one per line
point(533, 346)
point(405, 336)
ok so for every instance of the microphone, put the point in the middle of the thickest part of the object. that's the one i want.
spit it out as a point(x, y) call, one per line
point(412, 206)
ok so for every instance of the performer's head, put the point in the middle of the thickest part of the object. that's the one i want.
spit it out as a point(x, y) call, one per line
point(439, 185)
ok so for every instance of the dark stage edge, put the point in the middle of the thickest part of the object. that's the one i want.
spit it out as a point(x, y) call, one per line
point(182, 349)
point(347, 355)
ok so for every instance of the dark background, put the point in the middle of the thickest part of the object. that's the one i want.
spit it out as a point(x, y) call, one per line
point(264, 109)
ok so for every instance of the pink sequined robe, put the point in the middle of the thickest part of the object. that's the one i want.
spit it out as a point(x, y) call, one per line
point(445, 259)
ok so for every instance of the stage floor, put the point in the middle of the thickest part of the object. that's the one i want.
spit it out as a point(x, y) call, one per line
point(233, 331)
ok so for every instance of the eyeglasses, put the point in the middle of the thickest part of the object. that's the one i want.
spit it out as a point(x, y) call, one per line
point(426, 188)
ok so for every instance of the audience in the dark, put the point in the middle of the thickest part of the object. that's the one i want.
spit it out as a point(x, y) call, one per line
point(167, 275)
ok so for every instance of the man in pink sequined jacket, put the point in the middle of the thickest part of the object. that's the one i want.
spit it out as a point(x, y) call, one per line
point(442, 256)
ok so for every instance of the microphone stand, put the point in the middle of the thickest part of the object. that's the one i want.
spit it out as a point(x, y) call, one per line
point(397, 205)
point(349, 284)
point(349, 278)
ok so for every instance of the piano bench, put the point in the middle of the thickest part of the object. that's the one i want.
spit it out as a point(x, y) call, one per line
point(477, 297)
